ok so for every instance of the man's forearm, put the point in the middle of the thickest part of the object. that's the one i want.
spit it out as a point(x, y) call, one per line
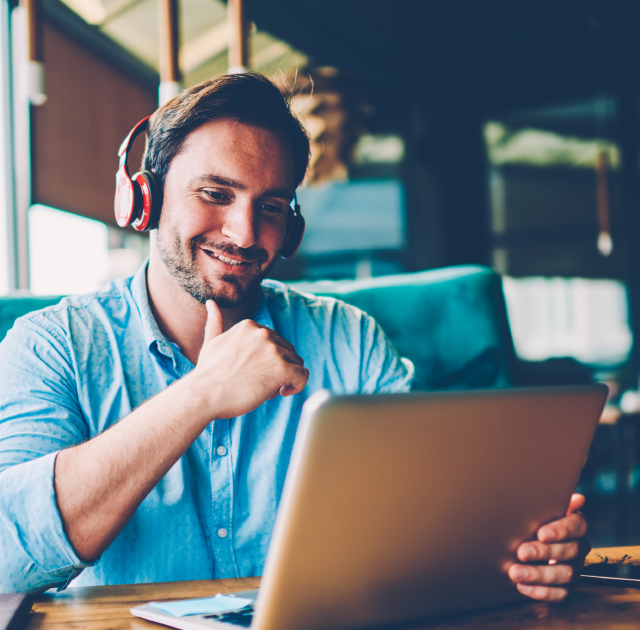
point(100, 484)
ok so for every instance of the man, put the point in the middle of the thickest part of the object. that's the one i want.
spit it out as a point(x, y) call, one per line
point(145, 430)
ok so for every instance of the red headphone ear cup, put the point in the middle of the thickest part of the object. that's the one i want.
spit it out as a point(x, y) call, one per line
point(133, 202)
point(128, 198)
point(151, 202)
point(294, 236)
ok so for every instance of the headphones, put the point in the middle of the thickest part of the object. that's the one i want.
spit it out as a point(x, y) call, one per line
point(138, 199)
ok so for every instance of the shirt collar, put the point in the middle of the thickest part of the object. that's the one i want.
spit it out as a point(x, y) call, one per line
point(152, 334)
point(262, 315)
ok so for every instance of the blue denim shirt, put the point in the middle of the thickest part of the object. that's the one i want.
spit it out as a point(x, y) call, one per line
point(69, 372)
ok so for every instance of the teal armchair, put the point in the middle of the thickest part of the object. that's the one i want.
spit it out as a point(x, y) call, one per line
point(16, 306)
point(451, 323)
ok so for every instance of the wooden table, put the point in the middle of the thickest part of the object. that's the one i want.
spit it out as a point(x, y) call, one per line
point(107, 607)
point(614, 555)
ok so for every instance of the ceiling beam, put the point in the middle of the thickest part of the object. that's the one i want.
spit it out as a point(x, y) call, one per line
point(238, 36)
point(170, 79)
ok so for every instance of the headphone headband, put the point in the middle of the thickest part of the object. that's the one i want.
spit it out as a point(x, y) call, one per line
point(125, 147)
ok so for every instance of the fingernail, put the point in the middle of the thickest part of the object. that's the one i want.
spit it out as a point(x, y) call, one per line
point(518, 573)
point(525, 589)
point(527, 552)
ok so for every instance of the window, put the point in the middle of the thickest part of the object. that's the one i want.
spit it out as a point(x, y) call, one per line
point(69, 254)
point(569, 317)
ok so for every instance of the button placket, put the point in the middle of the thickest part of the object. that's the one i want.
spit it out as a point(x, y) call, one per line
point(222, 499)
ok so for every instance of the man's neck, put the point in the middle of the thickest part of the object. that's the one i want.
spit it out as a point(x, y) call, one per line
point(180, 317)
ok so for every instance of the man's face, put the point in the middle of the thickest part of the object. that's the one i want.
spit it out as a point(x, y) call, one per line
point(225, 209)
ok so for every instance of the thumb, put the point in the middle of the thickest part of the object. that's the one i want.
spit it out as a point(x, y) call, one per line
point(214, 325)
point(575, 503)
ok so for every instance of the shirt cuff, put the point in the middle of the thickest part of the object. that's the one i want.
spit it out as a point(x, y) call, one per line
point(30, 513)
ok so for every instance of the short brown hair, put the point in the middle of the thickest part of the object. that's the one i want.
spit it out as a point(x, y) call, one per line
point(249, 98)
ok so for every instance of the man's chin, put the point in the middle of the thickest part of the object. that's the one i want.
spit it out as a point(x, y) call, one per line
point(228, 292)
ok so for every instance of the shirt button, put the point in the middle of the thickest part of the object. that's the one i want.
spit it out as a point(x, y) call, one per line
point(222, 451)
point(222, 532)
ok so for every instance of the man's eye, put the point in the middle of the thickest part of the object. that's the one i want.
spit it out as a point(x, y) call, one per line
point(271, 209)
point(216, 196)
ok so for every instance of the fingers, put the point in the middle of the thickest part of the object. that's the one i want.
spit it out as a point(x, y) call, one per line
point(535, 551)
point(292, 357)
point(283, 343)
point(576, 503)
point(567, 528)
point(293, 369)
point(542, 574)
point(552, 581)
point(214, 325)
point(543, 593)
point(259, 355)
point(572, 526)
point(563, 545)
point(288, 353)
point(548, 583)
point(297, 384)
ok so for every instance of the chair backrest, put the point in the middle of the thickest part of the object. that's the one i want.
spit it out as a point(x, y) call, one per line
point(13, 307)
point(452, 323)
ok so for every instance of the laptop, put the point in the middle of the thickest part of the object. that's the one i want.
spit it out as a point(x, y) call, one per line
point(401, 507)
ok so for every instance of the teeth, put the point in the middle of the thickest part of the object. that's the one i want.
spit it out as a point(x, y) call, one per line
point(224, 259)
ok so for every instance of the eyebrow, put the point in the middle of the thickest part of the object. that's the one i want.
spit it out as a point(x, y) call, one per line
point(218, 180)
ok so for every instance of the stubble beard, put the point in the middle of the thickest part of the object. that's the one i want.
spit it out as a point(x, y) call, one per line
point(232, 291)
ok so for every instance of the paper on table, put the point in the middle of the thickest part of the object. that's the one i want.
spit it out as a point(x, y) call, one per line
point(203, 606)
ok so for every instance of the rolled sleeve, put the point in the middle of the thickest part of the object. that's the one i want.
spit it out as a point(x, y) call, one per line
point(39, 416)
point(37, 553)
point(382, 370)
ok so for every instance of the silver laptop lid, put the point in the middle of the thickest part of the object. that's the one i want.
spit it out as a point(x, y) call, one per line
point(399, 507)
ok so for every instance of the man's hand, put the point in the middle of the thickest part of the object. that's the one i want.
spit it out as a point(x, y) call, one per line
point(245, 366)
point(555, 558)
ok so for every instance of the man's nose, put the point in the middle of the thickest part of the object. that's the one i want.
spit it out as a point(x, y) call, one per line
point(240, 224)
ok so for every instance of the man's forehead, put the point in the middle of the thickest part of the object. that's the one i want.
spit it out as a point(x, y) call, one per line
point(221, 146)
point(232, 134)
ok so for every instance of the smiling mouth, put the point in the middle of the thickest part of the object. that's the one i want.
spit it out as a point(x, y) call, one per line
point(226, 259)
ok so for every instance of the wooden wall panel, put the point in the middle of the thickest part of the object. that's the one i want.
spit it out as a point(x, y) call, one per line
point(76, 134)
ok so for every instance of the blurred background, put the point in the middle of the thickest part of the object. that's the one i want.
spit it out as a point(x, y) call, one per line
point(497, 133)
